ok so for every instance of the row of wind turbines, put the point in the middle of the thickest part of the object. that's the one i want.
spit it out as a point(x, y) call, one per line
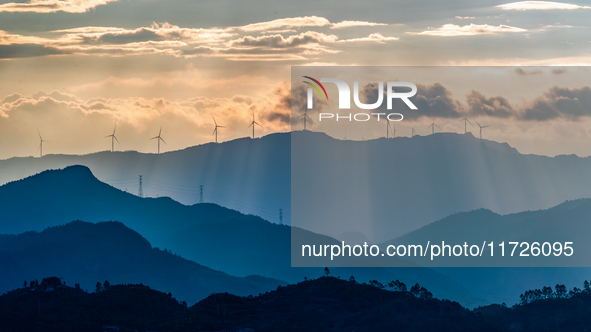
point(306, 117)
point(432, 126)
point(253, 124)
point(159, 138)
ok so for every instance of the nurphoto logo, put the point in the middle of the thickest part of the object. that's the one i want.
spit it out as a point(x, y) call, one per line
point(344, 92)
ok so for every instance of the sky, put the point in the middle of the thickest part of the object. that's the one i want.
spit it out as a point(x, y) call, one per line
point(72, 71)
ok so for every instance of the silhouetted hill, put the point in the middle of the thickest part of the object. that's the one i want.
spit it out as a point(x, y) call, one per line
point(52, 197)
point(568, 221)
point(211, 235)
point(110, 251)
point(544, 310)
point(65, 308)
point(423, 178)
point(325, 304)
point(250, 175)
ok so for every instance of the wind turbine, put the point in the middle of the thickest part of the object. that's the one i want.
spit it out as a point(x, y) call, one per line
point(481, 128)
point(387, 129)
point(41, 140)
point(215, 131)
point(465, 122)
point(305, 116)
point(432, 126)
point(159, 138)
point(412, 132)
point(252, 124)
point(394, 126)
point(113, 139)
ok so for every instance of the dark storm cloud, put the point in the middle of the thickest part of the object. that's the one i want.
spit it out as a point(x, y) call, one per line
point(437, 101)
point(14, 51)
point(558, 71)
point(478, 104)
point(431, 101)
point(526, 72)
point(140, 35)
point(560, 102)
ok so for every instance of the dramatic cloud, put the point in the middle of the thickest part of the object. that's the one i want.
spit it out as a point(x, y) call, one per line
point(436, 101)
point(349, 24)
point(374, 37)
point(453, 30)
point(525, 72)
point(540, 5)
point(560, 102)
point(479, 105)
point(294, 22)
point(278, 41)
point(52, 6)
point(431, 100)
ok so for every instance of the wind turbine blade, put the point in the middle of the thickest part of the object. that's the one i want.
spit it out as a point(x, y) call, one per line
point(108, 136)
point(469, 122)
point(153, 138)
point(486, 126)
point(478, 124)
point(216, 129)
point(251, 124)
point(437, 126)
point(221, 127)
point(116, 139)
point(114, 130)
point(214, 120)
point(162, 140)
point(39, 134)
point(258, 125)
point(160, 132)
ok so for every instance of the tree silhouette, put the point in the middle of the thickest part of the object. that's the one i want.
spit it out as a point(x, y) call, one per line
point(376, 283)
point(99, 287)
point(560, 291)
point(106, 284)
point(326, 271)
point(25, 285)
point(414, 290)
point(397, 286)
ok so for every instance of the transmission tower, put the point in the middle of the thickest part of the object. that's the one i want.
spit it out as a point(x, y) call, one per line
point(201, 193)
point(280, 216)
point(141, 191)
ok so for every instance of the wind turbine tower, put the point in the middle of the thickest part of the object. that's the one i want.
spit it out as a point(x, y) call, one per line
point(215, 131)
point(113, 139)
point(466, 121)
point(159, 138)
point(432, 126)
point(41, 140)
point(253, 123)
point(305, 116)
point(412, 132)
point(481, 128)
